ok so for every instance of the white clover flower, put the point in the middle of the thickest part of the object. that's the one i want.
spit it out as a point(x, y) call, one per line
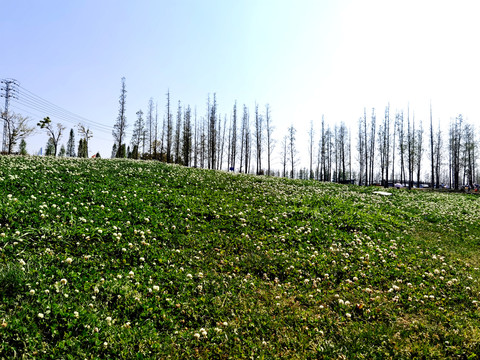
point(68, 260)
point(23, 263)
point(189, 276)
point(63, 281)
point(75, 313)
point(40, 315)
point(196, 335)
point(32, 292)
point(156, 287)
point(131, 274)
point(142, 259)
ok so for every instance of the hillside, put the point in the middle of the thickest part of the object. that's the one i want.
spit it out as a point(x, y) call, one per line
point(131, 259)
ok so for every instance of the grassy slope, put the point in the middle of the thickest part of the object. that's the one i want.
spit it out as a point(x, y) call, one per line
point(175, 262)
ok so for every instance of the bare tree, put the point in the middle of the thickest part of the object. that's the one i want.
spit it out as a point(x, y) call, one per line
point(151, 125)
point(399, 128)
point(212, 136)
point(187, 137)
point(432, 152)
point(17, 129)
point(393, 153)
point(284, 155)
point(361, 150)
point(233, 145)
point(371, 146)
point(323, 152)
point(469, 146)
point(270, 141)
point(259, 139)
point(138, 131)
point(292, 149)
point(311, 134)
point(177, 138)
point(342, 151)
point(169, 130)
point(410, 148)
point(455, 149)
point(121, 125)
point(196, 144)
point(419, 151)
point(221, 145)
point(155, 141)
point(365, 141)
point(244, 139)
point(384, 146)
point(438, 152)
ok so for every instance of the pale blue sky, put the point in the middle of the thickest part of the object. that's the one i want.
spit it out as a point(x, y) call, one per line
point(304, 58)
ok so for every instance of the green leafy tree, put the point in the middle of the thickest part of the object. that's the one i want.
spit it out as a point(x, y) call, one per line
point(82, 149)
point(114, 151)
point(71, 144)
point(50, 148)
point(23, 147)
point(87, 134)
point(62, 151)
point(122, 152)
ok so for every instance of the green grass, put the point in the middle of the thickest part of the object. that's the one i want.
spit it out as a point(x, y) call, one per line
point(129, 259)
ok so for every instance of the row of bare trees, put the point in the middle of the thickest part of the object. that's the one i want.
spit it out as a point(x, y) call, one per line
point(392, 149)
point(211, 140)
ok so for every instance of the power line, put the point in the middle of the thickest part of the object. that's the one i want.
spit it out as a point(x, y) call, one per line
point(34, 102)
point(40, 103)
point(24, 111)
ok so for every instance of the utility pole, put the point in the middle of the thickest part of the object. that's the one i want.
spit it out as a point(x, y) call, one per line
point(9, 86)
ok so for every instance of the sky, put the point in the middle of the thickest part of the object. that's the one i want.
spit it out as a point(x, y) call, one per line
point(305, 58)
